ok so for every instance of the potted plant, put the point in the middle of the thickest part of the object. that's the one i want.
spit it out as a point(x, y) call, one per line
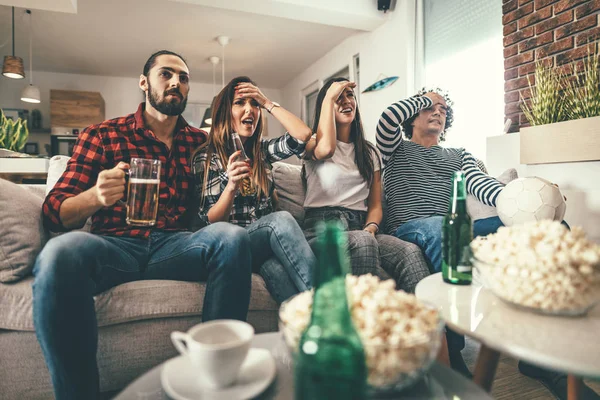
point(564, 114)
point(13, 134)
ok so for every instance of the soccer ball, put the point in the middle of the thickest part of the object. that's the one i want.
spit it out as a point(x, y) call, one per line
point(530, 199)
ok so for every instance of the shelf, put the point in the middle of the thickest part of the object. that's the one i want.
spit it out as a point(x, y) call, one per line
point(43, 130)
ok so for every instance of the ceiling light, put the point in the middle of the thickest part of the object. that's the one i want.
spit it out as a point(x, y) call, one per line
point(13, 65)
point(206, 119)
point(31, 93)
point(223, 41)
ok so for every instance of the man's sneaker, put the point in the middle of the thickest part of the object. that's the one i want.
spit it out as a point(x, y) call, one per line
point(555, 382)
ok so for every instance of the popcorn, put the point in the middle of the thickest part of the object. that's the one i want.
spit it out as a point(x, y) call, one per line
point(399, 333)
point(541, 265)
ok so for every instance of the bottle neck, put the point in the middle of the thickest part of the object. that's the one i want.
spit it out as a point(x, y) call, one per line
point(237, 145)
point(332, 259)
point(329, 278)
point(458, 199)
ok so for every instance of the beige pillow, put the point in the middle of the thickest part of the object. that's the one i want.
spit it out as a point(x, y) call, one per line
point(288, 182)
point(477, 210)
point(22, 233)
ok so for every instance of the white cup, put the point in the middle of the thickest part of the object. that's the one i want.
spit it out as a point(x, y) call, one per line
point(217, 348)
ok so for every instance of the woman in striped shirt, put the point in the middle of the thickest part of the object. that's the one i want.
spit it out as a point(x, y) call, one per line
point(276, 238)
point(342, 175)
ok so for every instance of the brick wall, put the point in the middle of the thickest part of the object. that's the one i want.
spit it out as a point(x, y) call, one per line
point(553, 31)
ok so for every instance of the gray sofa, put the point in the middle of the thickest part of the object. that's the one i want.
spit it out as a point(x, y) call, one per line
point(135, 319)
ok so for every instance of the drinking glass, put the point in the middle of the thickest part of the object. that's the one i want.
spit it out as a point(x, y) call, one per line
point(142, 192)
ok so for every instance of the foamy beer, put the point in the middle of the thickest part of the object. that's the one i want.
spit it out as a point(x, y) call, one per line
point(142, 193)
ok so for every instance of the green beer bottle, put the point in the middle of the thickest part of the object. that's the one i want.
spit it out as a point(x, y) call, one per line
point(330, 362)
point(457, 233)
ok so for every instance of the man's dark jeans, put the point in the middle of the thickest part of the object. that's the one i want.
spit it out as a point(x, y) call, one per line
point(427, 234)
point(74, 267)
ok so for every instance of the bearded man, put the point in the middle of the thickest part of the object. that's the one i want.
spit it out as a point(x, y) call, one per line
point(74, 267)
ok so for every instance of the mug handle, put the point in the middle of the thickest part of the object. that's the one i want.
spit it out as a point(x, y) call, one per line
point(179, 340)
point(121, 202)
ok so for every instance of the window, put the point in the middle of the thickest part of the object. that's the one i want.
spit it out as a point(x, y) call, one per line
point(309, 102)
point(194, 112)
point(356, 61)
point(342, 73)
point(464, 55)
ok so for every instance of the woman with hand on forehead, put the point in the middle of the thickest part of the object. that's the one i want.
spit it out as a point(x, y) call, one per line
point(278, 243)
point(343, 181)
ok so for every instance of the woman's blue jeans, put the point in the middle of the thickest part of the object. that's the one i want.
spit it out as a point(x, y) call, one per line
point(76, 266)
point(278, 244)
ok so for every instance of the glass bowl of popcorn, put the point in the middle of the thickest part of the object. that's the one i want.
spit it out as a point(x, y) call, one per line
point(401, 335)
point(540, 266)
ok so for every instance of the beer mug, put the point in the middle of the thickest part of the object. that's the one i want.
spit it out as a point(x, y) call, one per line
point(142, 192)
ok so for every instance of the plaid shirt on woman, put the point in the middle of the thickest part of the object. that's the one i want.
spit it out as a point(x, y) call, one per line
point(101, 147)
point(246, 209)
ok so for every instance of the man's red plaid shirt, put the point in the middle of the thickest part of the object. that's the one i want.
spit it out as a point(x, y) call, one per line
point(102, 146)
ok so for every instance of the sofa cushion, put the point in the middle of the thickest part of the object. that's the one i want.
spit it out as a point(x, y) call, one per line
point(477, 210)
point(131, 301)
point(22, 233)
point(288, 182)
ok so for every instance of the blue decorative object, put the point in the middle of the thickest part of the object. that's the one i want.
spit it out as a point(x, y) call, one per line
point(381, 84)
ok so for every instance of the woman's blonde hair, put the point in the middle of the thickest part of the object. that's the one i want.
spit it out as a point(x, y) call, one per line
point(219, 140)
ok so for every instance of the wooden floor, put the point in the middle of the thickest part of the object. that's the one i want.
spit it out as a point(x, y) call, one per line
point(510, 383)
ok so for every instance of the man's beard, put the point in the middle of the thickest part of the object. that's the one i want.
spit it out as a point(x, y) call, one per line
point(165, 107)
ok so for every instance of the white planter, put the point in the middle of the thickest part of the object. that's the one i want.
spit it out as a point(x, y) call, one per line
point(568, 141)
point(23, 165)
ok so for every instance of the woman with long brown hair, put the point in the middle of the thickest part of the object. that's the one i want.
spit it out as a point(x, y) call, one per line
point(343, 181)
point(239, 191)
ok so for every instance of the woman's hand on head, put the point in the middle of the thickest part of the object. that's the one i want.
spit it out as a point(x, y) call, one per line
point(337, 88)
point(246, 89)
point(236, 171)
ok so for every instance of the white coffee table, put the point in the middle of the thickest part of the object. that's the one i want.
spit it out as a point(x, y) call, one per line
point(440, 382)
point(567, 344)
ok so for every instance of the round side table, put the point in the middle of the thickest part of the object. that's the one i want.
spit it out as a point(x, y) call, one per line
point(568, 344)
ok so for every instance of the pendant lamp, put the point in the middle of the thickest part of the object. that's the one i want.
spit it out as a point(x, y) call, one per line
point(206, 119)
point(13, 65)
point(223, 41)
point(31, 93)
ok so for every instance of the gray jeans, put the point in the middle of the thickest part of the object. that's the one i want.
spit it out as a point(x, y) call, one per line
point(384, 256)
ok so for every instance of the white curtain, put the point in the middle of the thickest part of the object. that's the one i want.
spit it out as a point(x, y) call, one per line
point(463, 54)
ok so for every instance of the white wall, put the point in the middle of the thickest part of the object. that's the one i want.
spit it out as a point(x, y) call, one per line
point(388, 50)
point(121, 96)
point(578, 181)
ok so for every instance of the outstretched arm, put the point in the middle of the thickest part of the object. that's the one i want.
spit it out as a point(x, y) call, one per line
point(480, 185)
point(389, 133)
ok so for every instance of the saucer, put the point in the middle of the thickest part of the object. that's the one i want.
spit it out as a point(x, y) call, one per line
point(179, 378)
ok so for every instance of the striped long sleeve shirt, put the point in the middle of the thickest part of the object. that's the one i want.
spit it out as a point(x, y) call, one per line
point(418, 180)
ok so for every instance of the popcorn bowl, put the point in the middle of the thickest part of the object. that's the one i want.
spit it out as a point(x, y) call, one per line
point(390, 366)
point(550, 292)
